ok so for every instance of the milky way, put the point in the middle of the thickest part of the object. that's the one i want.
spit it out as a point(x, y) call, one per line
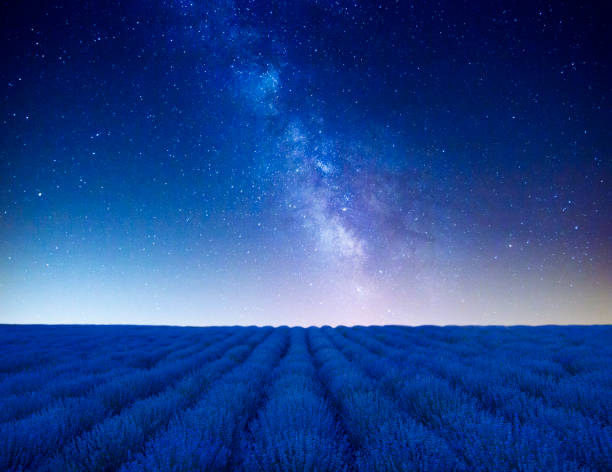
point(201, 163)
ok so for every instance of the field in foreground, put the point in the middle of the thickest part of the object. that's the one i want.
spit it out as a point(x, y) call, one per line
point(126, 398)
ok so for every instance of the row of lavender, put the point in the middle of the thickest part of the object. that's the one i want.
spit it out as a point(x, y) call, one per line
point(487, 399)
point(317, 399)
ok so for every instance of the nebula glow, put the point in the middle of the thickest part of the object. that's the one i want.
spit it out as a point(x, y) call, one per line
point(199, 163)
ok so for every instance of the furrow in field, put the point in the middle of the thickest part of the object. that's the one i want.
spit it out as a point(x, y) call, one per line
point(133, 353)
point(386, 439)
point(202, 437)
point(25, 443)
point(78, 380)
point(452, 408)
point(442, 417)
point(296, 429)
point(110, 443)
point(32, 401)
point(524, 375)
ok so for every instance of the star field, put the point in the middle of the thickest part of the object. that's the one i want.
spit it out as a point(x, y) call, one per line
point(235, 162)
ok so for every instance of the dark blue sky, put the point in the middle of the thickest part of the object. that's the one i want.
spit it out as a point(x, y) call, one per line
point(304, 162)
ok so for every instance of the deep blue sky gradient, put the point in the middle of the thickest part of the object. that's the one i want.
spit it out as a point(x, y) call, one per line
point(305, 162)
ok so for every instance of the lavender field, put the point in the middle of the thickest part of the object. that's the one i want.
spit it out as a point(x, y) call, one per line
point(127, 398)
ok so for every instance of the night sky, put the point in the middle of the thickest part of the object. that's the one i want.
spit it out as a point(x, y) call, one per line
point(233, 162)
